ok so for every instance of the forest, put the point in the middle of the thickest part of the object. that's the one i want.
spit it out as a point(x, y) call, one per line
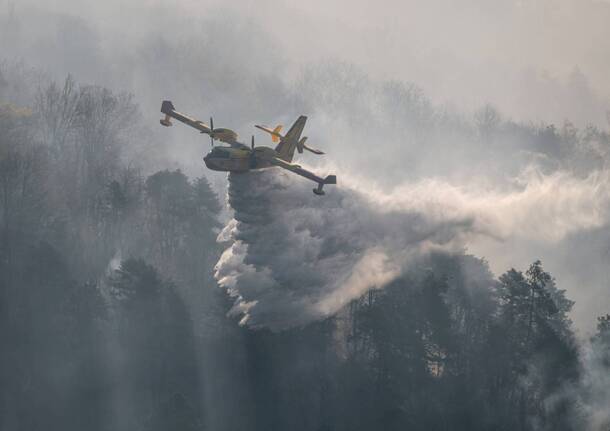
point(111, 318)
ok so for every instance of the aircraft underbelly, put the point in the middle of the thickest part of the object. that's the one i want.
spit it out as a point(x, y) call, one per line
point(227, 164)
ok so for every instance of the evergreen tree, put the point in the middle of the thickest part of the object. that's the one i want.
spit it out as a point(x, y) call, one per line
point(155, 333)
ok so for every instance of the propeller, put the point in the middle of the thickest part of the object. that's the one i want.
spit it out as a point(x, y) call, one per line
point(252, 157)
point(211, 131)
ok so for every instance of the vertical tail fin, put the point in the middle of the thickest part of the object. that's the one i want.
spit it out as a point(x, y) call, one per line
point(289, 142)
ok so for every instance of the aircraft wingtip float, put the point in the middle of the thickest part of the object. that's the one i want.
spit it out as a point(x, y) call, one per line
point(238, 157)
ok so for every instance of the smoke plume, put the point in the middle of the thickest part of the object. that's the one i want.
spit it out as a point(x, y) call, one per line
point(294, 257)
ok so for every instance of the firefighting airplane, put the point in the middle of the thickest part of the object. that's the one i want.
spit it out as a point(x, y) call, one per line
point(238, 157)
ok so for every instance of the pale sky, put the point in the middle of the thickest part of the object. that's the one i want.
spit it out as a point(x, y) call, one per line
point(534, 59)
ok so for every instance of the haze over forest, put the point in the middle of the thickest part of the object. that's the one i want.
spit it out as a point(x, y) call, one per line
point(457, 277)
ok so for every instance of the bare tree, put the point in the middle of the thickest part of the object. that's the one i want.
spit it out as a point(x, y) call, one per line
point(487, 120)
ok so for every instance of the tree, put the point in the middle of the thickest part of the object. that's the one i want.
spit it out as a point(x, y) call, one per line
point(170, 205)
point(54, 347)
point(540, 352)
point(22, 186)
point(400, 340)
point(601, 340)
point(487, 120)
point(56, 110)
point(156, 337)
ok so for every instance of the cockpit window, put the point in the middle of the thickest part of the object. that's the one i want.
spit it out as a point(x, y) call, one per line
point(219, 152)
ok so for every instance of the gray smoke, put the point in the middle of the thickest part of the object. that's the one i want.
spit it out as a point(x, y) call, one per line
point(294, 257)
point(595, 396)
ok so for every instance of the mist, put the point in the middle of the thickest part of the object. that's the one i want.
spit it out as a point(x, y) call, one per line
point(468, 139)
point(294, 258)
point(552, 68)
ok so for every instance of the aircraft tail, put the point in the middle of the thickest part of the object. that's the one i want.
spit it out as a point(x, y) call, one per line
point(276, 136)
point(290, 141)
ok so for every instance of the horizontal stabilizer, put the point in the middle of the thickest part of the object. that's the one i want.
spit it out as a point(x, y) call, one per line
point(313, 150)
point(275, 133)
point(302, 146)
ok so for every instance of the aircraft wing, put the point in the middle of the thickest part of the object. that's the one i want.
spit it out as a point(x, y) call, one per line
point(167, 108)
point(330, 179)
